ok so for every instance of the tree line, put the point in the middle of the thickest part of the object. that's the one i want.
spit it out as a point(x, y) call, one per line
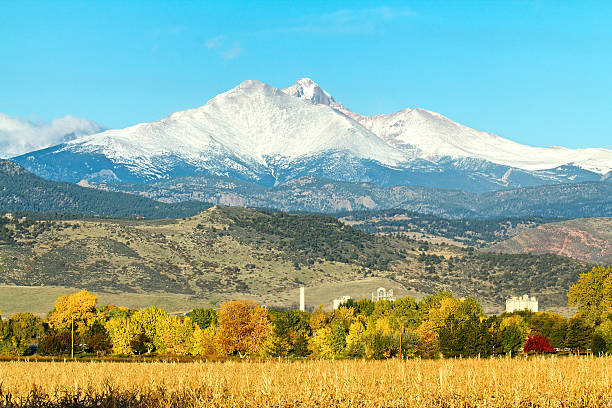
point(436, 326)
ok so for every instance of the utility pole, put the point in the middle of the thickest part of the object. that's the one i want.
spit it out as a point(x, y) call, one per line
point(401, 338)
point(72, 337)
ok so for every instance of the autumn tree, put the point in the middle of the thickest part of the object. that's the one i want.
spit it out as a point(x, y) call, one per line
point(122, 331)
point(354, 339)
point(320, 345)
point(537, 344)
point(319, 318)
point(593, 295)
point(243, 327)
point(428, 346)
point(148, 320)
point(78, 307)
point(203, 341)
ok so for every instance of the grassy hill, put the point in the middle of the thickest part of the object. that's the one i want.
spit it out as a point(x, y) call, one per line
point(587, 239)
point(22, 191)
point(226, 253)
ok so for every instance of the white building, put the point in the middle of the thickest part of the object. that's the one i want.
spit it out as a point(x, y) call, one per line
point(383, 294)
point(517, 303)
point(340, 301)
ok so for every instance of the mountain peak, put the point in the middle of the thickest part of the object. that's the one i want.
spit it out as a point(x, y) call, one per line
point(309, 90)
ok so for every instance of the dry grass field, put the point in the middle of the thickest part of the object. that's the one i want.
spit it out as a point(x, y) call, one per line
point(534, 382)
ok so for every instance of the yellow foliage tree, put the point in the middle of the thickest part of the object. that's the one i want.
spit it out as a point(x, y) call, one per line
point(203, 341)
point(320, 345)
point(243, 327)
point(122, 331)
point(319, 318)
point(79, 306)
point(345, 315)
point(275, 345)
point(175, 335)
point(593, 295)
point(148, 320)
point(429, 346)
point(354, 339)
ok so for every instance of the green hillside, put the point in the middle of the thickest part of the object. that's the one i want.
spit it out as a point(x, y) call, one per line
point(22, 191)
point(229, 252)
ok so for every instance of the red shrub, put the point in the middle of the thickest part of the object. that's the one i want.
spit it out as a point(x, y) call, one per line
point(539, 344)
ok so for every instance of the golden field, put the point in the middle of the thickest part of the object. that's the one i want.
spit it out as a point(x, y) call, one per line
point(521, 382)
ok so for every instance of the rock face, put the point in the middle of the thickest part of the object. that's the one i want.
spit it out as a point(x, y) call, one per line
point(586, 239)
point(269, 136)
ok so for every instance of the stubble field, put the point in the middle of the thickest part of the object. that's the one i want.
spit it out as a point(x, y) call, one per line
point(521, 382)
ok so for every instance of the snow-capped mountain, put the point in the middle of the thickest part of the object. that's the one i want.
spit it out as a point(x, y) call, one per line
point(253, 131)
point(429, 135)
point(269, 136)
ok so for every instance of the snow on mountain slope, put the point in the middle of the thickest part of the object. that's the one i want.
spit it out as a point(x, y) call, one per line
point(251, 124)
point(429, 135)
point(261, 134)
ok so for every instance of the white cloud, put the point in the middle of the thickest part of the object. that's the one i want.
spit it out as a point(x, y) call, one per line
point(214, 42)
point(19, 136)
point(220, 45)
point(349, 21)
point(232, 52)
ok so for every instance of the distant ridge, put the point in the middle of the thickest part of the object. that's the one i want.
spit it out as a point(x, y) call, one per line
point(21, 191)
point(313, 194)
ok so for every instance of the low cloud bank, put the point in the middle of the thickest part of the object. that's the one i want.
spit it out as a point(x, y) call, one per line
point(19, 136)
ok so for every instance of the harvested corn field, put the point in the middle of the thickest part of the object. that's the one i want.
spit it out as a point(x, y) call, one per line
point(520, 382)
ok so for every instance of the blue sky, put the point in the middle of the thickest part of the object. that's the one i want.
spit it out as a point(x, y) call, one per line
point(536, 72)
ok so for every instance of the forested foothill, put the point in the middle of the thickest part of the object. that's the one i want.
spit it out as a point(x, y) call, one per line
point(229, 252)
point(22, 191)
point(476, 232)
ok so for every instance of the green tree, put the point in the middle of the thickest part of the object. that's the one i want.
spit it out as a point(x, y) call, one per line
point(337, 339)
point(18, 332)
point(578, 334)
point(97, 339)
point(203, 317)
point(513, 334)
point(604, 331)
point(598, 344)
